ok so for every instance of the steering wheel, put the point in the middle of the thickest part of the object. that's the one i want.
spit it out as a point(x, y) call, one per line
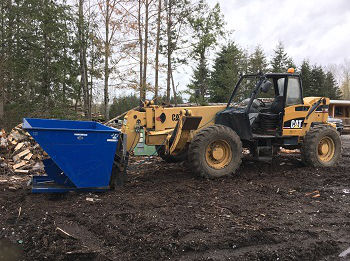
point(263, 104)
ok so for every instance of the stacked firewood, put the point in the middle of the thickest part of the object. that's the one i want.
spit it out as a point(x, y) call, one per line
point(19, 153)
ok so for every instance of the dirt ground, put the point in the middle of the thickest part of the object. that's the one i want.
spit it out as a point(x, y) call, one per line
point(275, 210)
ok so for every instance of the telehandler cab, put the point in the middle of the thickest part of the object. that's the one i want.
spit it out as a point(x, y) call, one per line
point(265, 112)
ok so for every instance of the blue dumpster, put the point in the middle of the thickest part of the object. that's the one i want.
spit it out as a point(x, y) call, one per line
point(81, 154)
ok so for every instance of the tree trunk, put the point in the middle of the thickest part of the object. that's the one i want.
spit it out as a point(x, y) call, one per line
point(2, 90)
point(141, 50)
point(64, 85)
point(202, 68)
point(83, 64)
point(156, 87)
point(10, 50)
point(65, 57)
point(346, 86)
point(92, 61)
point(46, 78)
point(106, 69)
point(174, 90)
point(92, 69)
point(86, 84)
point(2, 112)
point(90, 94)
point(144, 80)
point(169, 51)
point(78, 99)
point(2, 64)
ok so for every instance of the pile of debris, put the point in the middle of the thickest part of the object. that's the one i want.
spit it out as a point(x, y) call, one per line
point(19, 153)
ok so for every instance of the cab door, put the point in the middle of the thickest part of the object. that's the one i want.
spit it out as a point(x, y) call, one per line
point(294, 110)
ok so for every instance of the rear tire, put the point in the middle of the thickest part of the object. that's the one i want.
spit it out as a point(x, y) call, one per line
point(321, 147)
point(215, 151)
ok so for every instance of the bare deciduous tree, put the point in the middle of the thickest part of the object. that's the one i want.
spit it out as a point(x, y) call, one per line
point(145, 53)
point(114, 20)
point(156, 80)
point(83, 61)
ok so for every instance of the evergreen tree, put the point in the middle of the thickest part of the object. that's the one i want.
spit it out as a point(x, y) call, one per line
point(228, 65)
point(257, 61)
point(41, 67)
point(332, 89)
point(318, 83)
point(318, 78)
point(290, 63)
point(280, 61)
point(305, 71)
point(200, 81)
point(179, 100)
point(207, 26)
point(123, 103)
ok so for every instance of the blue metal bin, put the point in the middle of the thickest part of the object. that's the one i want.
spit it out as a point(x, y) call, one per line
point(81, 154)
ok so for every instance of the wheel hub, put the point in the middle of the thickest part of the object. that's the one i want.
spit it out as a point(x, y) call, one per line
point(326, 149)
point(218, 154)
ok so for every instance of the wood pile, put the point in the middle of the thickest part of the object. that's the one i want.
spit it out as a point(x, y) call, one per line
point(19, 153)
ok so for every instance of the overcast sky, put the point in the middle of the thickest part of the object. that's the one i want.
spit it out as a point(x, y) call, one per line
point(314, 29)
point(318, 30)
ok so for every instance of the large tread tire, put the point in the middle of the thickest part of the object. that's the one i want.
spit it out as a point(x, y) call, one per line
point(309, 149)
point(182, 156)
point(198, 147)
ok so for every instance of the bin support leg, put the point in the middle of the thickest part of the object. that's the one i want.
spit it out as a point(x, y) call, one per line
point(120, 164)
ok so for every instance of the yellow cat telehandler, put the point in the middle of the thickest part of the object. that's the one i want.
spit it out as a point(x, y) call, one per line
point(264, 113)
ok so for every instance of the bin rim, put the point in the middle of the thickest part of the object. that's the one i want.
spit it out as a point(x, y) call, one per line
point(27, 126)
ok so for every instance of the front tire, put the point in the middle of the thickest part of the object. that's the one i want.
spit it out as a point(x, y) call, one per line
point(321, 147)
point(215, 151)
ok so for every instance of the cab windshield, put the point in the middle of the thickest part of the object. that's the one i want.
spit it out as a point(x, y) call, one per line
point(244, 92)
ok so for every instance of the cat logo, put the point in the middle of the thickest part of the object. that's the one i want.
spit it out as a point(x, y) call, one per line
point(296, 124)
point(175, 117)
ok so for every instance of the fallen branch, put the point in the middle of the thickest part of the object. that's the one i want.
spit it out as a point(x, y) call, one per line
point(63, 233)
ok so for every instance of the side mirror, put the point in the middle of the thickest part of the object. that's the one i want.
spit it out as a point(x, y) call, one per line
point(266, 85)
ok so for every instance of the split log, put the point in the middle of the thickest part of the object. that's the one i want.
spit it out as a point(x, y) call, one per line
point(23, 153)
point(29, 156)
point(24, 171)
point(19, 146)
point(19, 165)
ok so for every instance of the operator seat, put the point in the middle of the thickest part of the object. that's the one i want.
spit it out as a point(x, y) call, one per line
point(270, 120)
point(277, 105)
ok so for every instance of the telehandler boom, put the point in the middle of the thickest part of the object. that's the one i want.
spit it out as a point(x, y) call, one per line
point(265, 112)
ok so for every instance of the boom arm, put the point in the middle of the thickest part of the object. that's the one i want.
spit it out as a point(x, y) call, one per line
point(158, 122)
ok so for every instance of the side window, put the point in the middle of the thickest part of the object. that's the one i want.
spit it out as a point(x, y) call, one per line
point(280, 83)
point(293, 92)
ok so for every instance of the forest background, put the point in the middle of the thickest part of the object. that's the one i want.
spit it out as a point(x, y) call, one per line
point(94, 59)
